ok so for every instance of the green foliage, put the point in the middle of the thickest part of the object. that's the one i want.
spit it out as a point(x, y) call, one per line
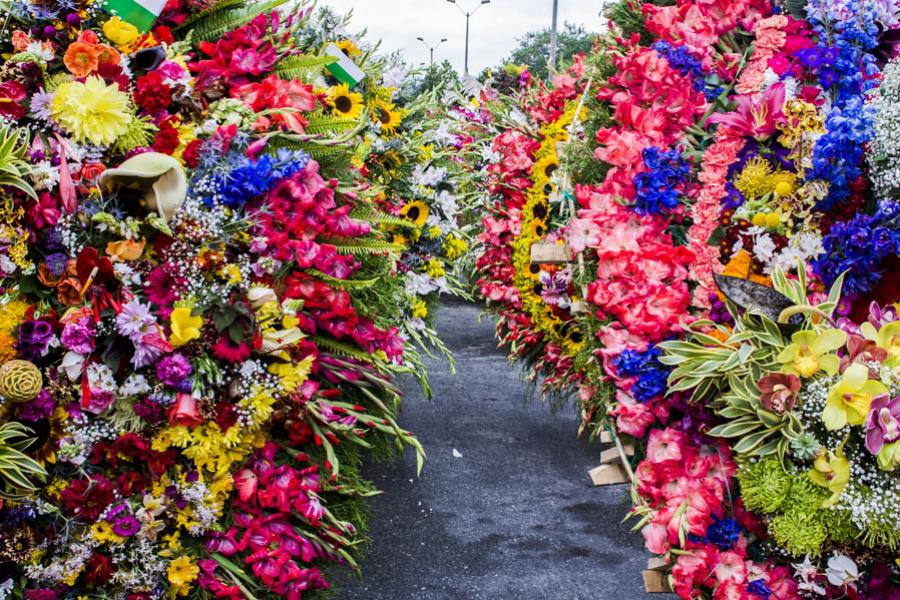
point(220, 20)
point(18, 472)
point(13, 165)
point(304, 67)
point(436, 78)
point(799, 533)
point(533, 50)
point(764, 485)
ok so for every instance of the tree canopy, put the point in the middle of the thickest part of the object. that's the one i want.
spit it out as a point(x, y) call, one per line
point(534, 48)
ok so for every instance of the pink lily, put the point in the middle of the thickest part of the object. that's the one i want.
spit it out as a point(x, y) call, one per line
point(755, 118)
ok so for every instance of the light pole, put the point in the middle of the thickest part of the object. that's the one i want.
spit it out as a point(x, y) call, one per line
point(553, 38)
point(468, 15)
point(431, 49)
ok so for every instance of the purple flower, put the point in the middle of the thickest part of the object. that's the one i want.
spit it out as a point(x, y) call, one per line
point(57, 263)
point(883, 424)
point(39, 408)
point(135, 320)
point(126, 526)
point(78, 337)
point(173, 369)
point(34, 339)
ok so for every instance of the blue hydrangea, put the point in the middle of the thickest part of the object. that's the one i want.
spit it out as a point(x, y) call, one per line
point(660, 185)
point(652, 375)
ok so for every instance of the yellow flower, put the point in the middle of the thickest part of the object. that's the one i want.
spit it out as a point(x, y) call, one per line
point(831, 471)
point(889, 457)
point(849, 400)
point(455, 247)
point(92, 111)
point(103, 533)
point(415, 211)
point(544, 168)
point(811, 352)
point(181, 573)
point(349, 47)
point(887, 338)
point(185, 327)
point(435, 268)
point(419, 309)
point(434, 232)
point(385, 113)
point(119, 32)
point(347, 104)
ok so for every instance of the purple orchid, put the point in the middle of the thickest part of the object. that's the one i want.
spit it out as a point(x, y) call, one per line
point(883, 424)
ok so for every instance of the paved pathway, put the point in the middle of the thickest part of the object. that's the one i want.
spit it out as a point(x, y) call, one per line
point(504, 507)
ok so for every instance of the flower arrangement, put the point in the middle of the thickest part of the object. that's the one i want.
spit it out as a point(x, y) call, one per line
point(197, 303)
point(736, 227)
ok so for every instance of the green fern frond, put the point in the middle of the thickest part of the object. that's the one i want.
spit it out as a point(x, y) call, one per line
point(301, 66)
point(376, 217)
point(343, 349)
point(368, 247)
point(204, 14)
point(355, 284)
point(322, 124)
point(219, 23)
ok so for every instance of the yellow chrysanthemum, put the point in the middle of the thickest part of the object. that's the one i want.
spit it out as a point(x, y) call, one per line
point(346, 104)
point(419, 309)
point(754, 181)
point(92, 111)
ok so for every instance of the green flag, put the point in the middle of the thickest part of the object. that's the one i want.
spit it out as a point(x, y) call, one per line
point(344, 70)
point(140, 13)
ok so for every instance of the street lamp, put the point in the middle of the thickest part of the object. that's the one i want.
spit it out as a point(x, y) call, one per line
point(468, 15)
point(431, 48)
point(553, 38)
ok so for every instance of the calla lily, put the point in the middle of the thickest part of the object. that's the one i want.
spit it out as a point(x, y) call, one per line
point(849, 400)
point(159, 176)
point(831, 470)
point(757, 119)
point(185, 327)
point(811, 352)
point(887, 338)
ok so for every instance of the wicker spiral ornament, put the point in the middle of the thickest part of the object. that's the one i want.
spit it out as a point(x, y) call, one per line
point(20, 381)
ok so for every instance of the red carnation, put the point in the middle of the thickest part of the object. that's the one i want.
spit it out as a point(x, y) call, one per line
point(152, 93)
point(167, 139)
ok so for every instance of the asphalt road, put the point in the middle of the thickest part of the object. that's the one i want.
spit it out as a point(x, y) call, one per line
point(504, 507)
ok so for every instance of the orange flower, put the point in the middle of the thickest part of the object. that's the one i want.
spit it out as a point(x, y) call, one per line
point(46, 277)
point(20, 40)
point(87, 36)
point(81, 59)
point(7, 347)
point(126, 250)
point(68, 292)
point(108, 55)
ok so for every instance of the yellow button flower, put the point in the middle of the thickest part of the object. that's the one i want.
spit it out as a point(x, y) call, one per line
point(810, 352)
point(185, 327)
point(849, 400)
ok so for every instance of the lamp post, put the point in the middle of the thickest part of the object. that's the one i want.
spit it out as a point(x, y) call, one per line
point(468, 15)
point(553, 38)
point(431, 49)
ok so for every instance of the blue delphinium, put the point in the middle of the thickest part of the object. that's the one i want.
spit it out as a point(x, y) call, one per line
point(235, 179)
point(660, 185)
point(859, 247)
point(842, 62)
point(758, 587)
point(723, 533)
point(651, 374)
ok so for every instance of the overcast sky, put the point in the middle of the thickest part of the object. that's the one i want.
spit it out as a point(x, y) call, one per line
point(495, 26)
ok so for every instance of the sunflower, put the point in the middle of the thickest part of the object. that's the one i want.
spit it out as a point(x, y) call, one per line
point(349, 47)
point(347, 104)
point(415, 211)
point(386, 114)
point(50, 432)
point(537, 229)
point(544, 168)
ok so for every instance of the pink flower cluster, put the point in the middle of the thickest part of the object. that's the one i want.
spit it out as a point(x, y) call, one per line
point(641, 274)
point(653, 104)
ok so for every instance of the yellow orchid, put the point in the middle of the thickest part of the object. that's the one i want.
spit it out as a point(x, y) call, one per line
point(185, 327)
point(887, 338)
point(849, 400)
point(831, 471)
point(811, 352)
point(889, 457)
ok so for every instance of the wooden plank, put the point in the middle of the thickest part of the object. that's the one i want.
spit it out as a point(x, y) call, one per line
point(605, 437)
point(550, 254)
point(657, 563)
point(608, 475)
point(656, 582)
point(612, 455)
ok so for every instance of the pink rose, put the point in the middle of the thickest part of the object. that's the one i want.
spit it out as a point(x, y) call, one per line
point(185, 411)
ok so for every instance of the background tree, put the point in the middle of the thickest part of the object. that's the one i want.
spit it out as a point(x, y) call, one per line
point(534, 48)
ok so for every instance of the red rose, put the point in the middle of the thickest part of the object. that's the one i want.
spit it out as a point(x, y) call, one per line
point(185, 411)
